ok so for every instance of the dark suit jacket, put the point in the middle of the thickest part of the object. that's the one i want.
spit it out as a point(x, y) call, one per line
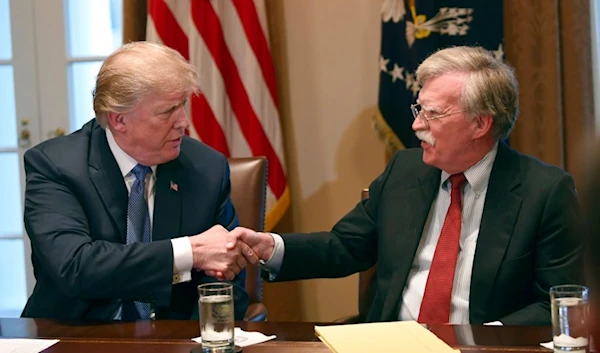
point(76, 216)
point(528, 239)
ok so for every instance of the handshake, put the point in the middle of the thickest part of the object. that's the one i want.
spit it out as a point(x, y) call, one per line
point(223, 254)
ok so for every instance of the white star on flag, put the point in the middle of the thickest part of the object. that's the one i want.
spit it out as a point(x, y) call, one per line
point(383, 63)
point(397, 73)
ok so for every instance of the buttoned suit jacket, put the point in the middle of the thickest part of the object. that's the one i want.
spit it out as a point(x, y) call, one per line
point(76, 215)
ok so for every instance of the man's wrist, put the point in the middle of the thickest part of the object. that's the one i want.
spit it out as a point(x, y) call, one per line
point(273, 263)
point(198, 258)
point(271, 249)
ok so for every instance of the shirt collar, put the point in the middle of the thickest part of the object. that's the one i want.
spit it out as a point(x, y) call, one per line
point(125, 161)
point(478, 175)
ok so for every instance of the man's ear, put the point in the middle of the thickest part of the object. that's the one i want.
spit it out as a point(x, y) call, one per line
point(116, 121)
point(483, 125)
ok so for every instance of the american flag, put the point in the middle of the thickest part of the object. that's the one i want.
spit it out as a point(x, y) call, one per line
point(237, 110)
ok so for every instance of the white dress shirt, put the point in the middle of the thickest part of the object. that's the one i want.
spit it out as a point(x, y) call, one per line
point(473, 199)
point(183, 257)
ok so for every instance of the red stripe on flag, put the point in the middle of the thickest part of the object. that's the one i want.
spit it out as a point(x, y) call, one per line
point(256, 37)
point(206, 125)
point(209, 27)
point(171, 34)
point(168, 28)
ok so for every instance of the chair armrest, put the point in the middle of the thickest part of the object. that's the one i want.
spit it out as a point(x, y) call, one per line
point(256, 312)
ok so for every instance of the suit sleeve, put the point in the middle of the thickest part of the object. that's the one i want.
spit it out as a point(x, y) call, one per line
point(227, 217)
point(558, 258)
point(83, 267)
point(350, 246)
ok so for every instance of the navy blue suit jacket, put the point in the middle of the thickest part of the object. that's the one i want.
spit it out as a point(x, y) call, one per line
point(76, 216)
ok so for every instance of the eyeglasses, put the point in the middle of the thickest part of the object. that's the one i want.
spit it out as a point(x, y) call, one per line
point(418, 112)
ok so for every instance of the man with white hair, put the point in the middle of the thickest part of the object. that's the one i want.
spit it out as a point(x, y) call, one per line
point(464, 229)
point(127, 214)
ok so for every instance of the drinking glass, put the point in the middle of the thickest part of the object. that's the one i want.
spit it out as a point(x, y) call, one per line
point(570, 321)
point(216, 317)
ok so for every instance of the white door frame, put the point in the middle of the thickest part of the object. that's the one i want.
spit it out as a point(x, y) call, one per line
point(26, 94)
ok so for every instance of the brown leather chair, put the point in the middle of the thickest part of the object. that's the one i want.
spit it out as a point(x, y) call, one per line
point(366, 287)
point(248, 195)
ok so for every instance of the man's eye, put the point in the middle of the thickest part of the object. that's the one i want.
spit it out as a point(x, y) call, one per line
point(174, 108)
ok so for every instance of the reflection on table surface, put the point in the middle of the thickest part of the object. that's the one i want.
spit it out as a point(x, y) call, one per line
point(292, 337)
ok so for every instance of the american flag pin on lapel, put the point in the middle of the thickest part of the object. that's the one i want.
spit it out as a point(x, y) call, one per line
point(174, 186)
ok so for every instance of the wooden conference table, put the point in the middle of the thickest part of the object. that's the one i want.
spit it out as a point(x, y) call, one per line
point(292, 337)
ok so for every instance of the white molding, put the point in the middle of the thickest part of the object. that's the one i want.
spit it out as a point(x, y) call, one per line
point(80, 59)
point(11, 237)
point(9, 150)
point(26, 95)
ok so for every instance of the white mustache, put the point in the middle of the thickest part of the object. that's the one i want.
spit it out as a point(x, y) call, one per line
point(426, 136)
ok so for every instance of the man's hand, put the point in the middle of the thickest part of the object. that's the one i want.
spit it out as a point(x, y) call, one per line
point(218, 251)
point(262, 244)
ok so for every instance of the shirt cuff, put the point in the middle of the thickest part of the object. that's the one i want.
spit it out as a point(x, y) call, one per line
point(494, 323)
point(273, 264)
point(183, 259)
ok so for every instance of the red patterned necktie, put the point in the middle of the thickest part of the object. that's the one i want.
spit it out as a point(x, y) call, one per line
point(435, 307)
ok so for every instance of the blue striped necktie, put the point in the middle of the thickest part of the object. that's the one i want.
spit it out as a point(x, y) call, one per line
point(138, 230)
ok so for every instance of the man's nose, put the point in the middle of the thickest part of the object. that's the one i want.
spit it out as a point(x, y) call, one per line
point(182, 120)
point(419, 124)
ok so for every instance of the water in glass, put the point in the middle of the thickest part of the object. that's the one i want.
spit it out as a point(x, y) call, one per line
point(570, 324)
point(216, 317)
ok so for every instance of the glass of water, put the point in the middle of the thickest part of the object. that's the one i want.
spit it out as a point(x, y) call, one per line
point(569, 318)
point(216, 317)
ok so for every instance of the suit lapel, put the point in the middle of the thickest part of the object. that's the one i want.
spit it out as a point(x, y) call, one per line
point(108, 181)
point(502, 205)
point(417, 201)
point(167, 201)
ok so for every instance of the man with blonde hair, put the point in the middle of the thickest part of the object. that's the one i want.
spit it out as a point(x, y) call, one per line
point(464, 229)
point(127, 214)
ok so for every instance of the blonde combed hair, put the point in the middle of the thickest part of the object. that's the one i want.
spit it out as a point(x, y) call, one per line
point(139, 69)
point(490, 87)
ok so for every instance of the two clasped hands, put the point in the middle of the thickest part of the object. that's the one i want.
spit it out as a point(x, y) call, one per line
point(223, 254)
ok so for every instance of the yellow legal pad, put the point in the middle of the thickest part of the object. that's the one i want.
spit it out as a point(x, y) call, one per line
point(398, 336)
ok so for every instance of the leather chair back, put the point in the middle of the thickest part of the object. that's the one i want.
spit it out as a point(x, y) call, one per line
point(248, 194)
